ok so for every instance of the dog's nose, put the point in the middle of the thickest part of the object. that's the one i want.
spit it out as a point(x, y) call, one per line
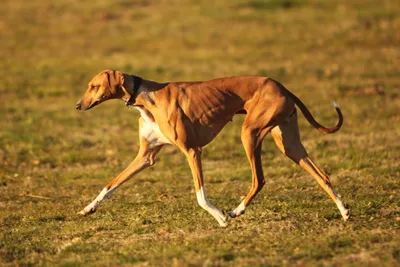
point(78, 106)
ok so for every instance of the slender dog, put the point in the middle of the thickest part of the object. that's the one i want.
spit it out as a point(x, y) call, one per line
point(190, 114)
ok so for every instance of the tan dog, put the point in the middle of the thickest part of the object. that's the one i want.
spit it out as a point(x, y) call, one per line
point(190, 114)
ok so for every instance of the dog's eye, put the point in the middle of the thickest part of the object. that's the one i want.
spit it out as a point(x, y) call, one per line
point(95, 87)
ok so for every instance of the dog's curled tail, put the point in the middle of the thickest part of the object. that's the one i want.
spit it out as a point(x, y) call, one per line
point(311, 119)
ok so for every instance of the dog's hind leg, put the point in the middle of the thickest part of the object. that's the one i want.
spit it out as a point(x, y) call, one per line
point(287, 138)
point(252, 141)
point(145, 158)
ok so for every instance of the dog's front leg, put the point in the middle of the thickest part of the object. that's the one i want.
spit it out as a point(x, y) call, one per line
point(144, 159)
point(194, 159)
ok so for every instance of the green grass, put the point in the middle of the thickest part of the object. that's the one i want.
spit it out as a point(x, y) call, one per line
point(55, 160)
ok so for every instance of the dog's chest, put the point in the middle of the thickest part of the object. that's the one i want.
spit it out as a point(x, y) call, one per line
point(150, 130)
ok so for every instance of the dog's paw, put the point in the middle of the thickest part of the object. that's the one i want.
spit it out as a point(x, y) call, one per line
point(82, 212)
point(238, 211)
point(235, 214)
point(222, 219)
point(223, 222)
point(85, 212)
point(346, 215)
point(232, 214)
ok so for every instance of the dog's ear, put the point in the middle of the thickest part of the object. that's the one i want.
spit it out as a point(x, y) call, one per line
point(115, 80)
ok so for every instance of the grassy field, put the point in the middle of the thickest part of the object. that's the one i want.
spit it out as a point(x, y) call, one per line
point(54, 160)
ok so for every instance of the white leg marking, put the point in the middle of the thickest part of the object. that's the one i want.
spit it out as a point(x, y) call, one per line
point(205, 204)
point(95, 203)
point(238, 211)
point(345, 212)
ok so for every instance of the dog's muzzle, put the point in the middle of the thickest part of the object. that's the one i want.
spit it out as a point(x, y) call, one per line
point(79, 105)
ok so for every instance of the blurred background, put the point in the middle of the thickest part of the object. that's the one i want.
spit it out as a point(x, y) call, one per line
point(54, 159)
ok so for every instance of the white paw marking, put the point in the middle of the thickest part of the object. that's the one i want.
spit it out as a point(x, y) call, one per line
point(205, 204)
point(92, 207)
point(346, 215)
point(238, 211)
point(345, 212)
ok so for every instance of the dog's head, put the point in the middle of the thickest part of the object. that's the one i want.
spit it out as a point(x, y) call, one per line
point(104, 86)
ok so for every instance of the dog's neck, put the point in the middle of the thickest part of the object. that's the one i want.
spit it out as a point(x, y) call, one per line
point(137, 82)
point(133, 86)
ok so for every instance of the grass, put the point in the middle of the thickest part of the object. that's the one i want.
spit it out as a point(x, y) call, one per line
point(54, 160)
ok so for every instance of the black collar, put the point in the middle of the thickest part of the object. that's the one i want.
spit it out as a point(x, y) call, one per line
point(137, 81)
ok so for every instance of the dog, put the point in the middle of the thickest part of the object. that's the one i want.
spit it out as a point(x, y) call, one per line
point(189, 115)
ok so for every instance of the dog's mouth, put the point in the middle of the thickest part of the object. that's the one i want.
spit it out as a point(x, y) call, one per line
point(95, 103)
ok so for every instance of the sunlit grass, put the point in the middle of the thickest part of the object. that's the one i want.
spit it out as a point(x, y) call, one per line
point(54, 160)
